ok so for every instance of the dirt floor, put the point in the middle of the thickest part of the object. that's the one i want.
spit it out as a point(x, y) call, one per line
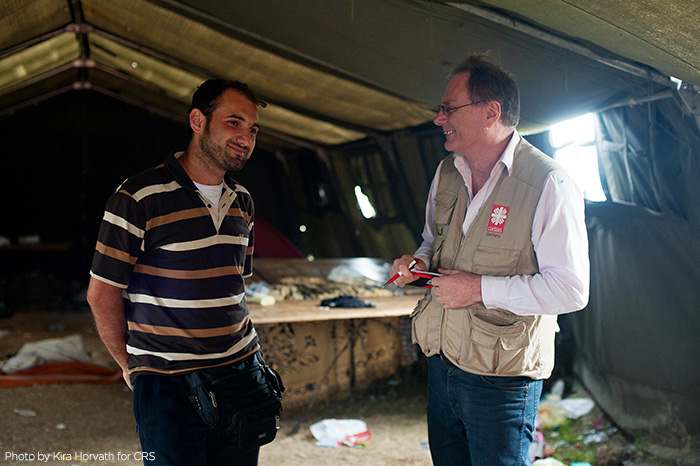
point(62, 421)
point(92, 424)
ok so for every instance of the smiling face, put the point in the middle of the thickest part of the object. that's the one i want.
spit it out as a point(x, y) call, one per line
point(462, 127)
point(228, 136)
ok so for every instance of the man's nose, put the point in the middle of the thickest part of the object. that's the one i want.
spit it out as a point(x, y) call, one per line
point(245, 138)
point(440, 118)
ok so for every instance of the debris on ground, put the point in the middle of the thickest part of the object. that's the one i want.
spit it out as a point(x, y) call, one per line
point(67, 349)
point(575, 431)
point(337, 432)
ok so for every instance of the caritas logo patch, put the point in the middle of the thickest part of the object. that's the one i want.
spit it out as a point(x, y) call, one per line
point(497, 222)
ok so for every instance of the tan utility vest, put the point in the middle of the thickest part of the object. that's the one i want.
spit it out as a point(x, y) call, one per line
point(498, 243)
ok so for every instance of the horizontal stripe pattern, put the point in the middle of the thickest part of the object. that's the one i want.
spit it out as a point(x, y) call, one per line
point(234, 212)
point(115, 253)
point(203, 365)
point(121, 222)
point(185, 303)
point(143, 193)
point(185, 295)
point(177, 217)
point(206, 242)
point(236, 348)
point(188, 274)
point(109, 282)
point(179, 332)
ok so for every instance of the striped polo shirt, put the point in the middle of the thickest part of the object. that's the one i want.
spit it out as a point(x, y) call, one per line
point(181, 262)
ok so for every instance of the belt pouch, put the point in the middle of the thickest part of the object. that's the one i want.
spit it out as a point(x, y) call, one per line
point(202, 399)
point(257, 426)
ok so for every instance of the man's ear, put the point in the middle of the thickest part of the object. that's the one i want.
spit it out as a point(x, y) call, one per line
point(493, 112)
point(197, 121)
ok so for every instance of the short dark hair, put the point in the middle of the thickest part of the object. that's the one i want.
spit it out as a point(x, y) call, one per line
point(206, 97)
point(488, 81)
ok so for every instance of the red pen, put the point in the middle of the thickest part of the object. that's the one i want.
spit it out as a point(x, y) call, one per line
point(424, 278)
point(397, 275)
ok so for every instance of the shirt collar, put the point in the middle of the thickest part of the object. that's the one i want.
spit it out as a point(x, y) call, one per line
point(504, 161)
point(509, 153)
point(184, 179)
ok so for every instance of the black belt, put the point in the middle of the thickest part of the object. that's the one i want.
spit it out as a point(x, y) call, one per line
point(447, 362)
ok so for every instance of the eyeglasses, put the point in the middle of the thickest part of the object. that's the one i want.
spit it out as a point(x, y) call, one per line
point(448, 110)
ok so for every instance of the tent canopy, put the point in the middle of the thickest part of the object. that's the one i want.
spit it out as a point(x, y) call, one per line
point(351, 85)
point(336, 72)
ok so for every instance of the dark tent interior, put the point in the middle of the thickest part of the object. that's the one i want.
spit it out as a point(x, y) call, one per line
point(92, 91)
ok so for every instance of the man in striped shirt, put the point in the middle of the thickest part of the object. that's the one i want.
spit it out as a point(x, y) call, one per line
point(167, 287)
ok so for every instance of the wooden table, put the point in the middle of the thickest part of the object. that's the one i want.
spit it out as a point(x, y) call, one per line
point(326, 353)
point(310, 311)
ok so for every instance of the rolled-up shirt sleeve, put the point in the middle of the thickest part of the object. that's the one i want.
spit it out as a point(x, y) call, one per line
point(560, 242)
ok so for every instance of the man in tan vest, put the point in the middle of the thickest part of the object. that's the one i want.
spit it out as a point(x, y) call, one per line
point(505, 227)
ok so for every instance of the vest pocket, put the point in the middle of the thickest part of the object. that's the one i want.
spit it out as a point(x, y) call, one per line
point(496, 345)
point(444, 207)
point(419, 322)
point(495, 261)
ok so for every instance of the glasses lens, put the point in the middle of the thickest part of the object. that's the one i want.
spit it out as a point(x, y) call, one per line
point(442, 108)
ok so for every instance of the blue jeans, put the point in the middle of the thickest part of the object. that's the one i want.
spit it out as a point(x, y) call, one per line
point(172, 432)
point(476, 420)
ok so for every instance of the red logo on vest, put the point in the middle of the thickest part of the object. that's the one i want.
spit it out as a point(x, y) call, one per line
point(497, 222)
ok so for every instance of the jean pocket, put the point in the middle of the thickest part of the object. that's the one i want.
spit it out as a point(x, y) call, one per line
point(508, 384)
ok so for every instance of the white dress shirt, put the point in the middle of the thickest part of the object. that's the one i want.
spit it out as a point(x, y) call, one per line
point(559, 238)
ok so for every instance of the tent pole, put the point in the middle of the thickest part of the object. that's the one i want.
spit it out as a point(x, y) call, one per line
point(322, 155)
point(406, 204)
point(667, 94)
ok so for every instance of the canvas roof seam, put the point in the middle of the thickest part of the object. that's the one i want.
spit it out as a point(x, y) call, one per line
point(206, 75)
point(393, 113)
point(33, 41)
point(84, 30)
point(292, 140)
point(521, 26)
point(577, 81)
point(276, 48)
point(665, 94)
point(36, 100)
point(33, 80)
point(659, 33)
point(135, 102)
point(169, 59)
point(128, 78)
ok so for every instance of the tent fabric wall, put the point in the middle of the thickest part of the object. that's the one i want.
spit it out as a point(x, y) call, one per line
point(636, 342)
point(647, 157)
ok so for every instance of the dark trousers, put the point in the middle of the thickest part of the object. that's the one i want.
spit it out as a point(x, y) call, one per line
point(171, 429)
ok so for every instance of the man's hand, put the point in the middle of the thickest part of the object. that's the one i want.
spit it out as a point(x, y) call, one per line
point(401, 266)
point(456, 288)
